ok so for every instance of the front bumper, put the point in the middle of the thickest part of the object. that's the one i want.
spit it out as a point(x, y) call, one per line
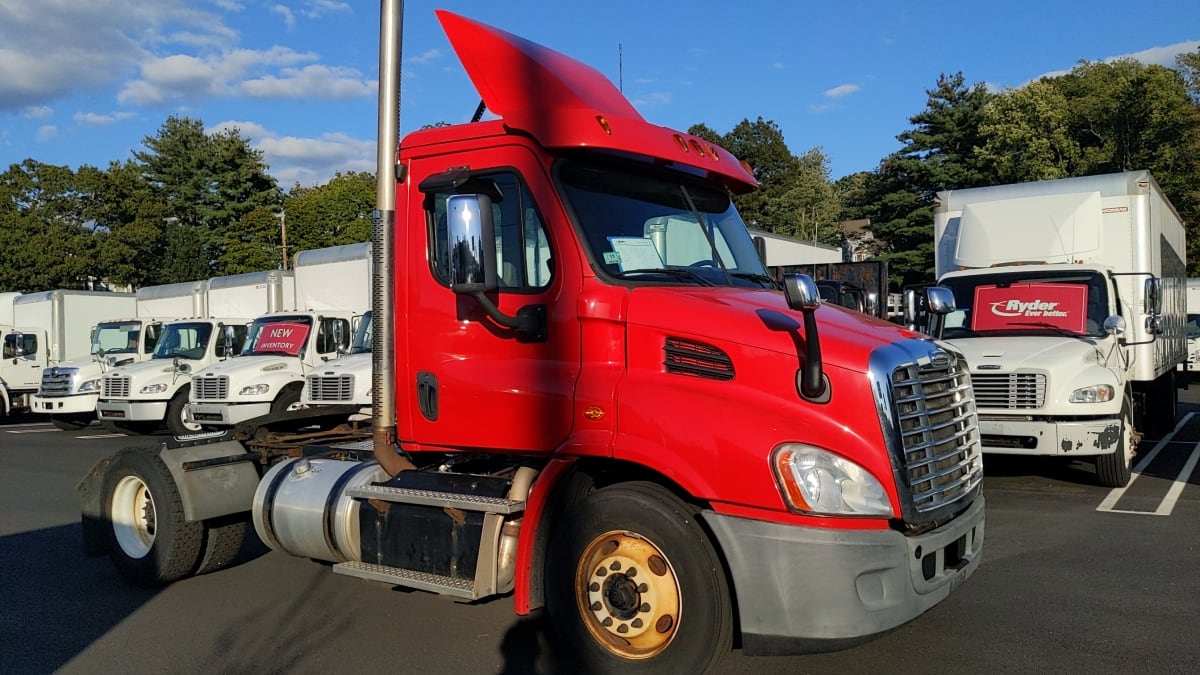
point(132, 411)
point(1044, 437)
point(804, 590)
point(65, 405)
point(224, 414)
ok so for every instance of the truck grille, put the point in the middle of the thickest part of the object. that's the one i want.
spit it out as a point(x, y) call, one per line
point(116, 386)
point(58, 382)
point(210, 388)
point(1015, 391)
point(330, 388)
point(936, 435)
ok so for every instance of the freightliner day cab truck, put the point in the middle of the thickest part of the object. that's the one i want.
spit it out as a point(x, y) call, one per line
point(589, 394)
point(346, 380)
point(331, 292)
point(1192, 328)
point(140, 397)
point(1070, 311)
point(70, 390)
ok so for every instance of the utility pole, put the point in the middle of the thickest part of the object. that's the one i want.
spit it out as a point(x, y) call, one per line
point(283, 236)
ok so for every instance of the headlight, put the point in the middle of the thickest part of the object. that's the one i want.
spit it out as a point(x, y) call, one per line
point(255, 390)
point(1097, 393)
point(153, 388)
point(817, 481)
point(90, 385)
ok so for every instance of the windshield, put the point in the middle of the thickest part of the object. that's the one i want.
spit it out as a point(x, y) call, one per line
point(116, 337)
point(1007, 303)
point(278, 335)
point(1193, 325)
point(184, 340)
point(660, 227)
point(362, 336)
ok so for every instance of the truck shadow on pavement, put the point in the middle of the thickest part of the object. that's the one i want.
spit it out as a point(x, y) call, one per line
point(55, 603)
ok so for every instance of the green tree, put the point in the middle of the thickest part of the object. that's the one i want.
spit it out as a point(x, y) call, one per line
point(46, 237)
point(338, 212)
point(1028, 132)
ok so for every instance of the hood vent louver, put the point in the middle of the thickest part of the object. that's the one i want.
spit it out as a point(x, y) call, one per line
point(688, 357)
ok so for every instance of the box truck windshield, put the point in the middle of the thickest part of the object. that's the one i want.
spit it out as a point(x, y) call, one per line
point(1008, 304)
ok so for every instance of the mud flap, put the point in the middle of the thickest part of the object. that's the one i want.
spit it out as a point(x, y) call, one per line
point(94, 522)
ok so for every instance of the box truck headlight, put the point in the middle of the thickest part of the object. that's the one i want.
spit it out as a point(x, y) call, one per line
point(1097, 393)
point(153, 388)
point(255, 390)
point(90, 385)
point(817, 481)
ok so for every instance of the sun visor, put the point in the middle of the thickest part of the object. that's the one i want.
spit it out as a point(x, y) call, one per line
point(1050, 228)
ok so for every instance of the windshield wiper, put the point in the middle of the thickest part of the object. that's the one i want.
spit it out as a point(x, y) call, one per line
point(754, 276)
point(670, 272)
point(1049, 326)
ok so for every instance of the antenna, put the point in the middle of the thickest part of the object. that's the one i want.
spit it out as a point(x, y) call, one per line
point(620, 70)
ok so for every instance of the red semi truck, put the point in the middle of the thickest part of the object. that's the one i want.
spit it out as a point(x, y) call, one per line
point(589, 394)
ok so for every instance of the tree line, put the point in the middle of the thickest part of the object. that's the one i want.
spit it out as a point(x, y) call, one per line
point(191, 205)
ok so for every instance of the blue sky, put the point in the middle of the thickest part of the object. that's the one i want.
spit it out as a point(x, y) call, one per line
point(85, 81)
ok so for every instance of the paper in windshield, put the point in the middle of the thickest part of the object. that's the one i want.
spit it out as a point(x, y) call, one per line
point(636, 253)
point(1019, 305)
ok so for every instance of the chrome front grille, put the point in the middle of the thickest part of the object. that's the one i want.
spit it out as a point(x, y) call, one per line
point(330, 387)
point(58, 382)
point(1014, 391)
point(116, 386)
point(210, 388)
point(935, 434)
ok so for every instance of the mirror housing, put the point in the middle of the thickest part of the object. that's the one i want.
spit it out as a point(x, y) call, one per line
point(801, 291)
point(471, 244)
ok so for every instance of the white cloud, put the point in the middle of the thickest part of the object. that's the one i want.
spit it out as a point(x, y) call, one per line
point(314, 81)
point(841, 90)
point(228, 5)
point(1161, 56)
point(307, 161)
point(289, 19)
point(52, 49)
point(37, 112)
point(426, 56)
point(98, 120)
point(653, 99)
point(47, 132)
point(315, 9)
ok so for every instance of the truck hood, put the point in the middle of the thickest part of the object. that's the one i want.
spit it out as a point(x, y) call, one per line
point(1007, 354)
point(762, 320)
point(351, 363)
point(249, 365)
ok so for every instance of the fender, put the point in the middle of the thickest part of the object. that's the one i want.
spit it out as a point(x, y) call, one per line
point(212, 491)
point(526, 589)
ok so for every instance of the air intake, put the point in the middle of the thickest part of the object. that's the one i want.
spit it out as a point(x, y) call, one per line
point(688, 357)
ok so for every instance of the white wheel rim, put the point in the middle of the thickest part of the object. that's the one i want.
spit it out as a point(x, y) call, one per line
point(133, 516)
point(190, 426)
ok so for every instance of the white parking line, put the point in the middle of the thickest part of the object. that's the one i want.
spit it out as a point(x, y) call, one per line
point(30, 431)
point(1173, 494)
point(100, 436)
point(27, 424)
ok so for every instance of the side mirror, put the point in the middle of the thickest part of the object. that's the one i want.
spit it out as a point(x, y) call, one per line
point(940, 299)
point(873, 303)
point(341, 344)
point(1154, 296)
point(18, 344)
point(801, 291)
point(227, 336)
point(471, 242)
point(1114, 325)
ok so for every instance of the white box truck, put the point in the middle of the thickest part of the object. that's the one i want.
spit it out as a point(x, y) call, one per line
point(332, 291)
point(1070, 312)
point(49, 329)
point(69, 390)
point(24, 355)
point(139, 397)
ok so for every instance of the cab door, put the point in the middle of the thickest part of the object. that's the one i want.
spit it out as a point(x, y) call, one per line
point(463, 380)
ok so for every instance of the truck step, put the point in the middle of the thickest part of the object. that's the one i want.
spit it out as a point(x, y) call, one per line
point(466, 502)
point(459, 588)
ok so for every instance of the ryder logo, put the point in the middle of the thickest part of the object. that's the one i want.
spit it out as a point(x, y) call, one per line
point(1033, 308)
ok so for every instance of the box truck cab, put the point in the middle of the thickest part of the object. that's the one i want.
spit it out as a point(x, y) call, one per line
point(139, 397)
point(1192, 328)
point(23, 355)
point(1070, 313)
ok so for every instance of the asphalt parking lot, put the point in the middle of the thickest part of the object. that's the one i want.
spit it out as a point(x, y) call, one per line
point(1076, 578)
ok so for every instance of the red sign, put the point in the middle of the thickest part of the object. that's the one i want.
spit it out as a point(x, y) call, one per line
point(284, 337)
point(1025, 306)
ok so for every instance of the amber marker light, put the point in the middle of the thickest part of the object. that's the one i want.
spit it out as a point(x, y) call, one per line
point(682, 143)
point(604, 124)
point(593, 413)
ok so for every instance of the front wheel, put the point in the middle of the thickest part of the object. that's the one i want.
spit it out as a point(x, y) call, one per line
point(177, 422)
point(150, 541)
point(72, 422)
point(1116, 468)
point(634, 585)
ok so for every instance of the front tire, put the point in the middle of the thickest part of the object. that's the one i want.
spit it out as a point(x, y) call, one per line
point(72, 422)
point(635, 586)
point(288, 399)
point(1116, 468)
point(177, 422)
point(150, 541)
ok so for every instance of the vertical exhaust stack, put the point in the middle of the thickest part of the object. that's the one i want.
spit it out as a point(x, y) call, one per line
point(383, 398)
